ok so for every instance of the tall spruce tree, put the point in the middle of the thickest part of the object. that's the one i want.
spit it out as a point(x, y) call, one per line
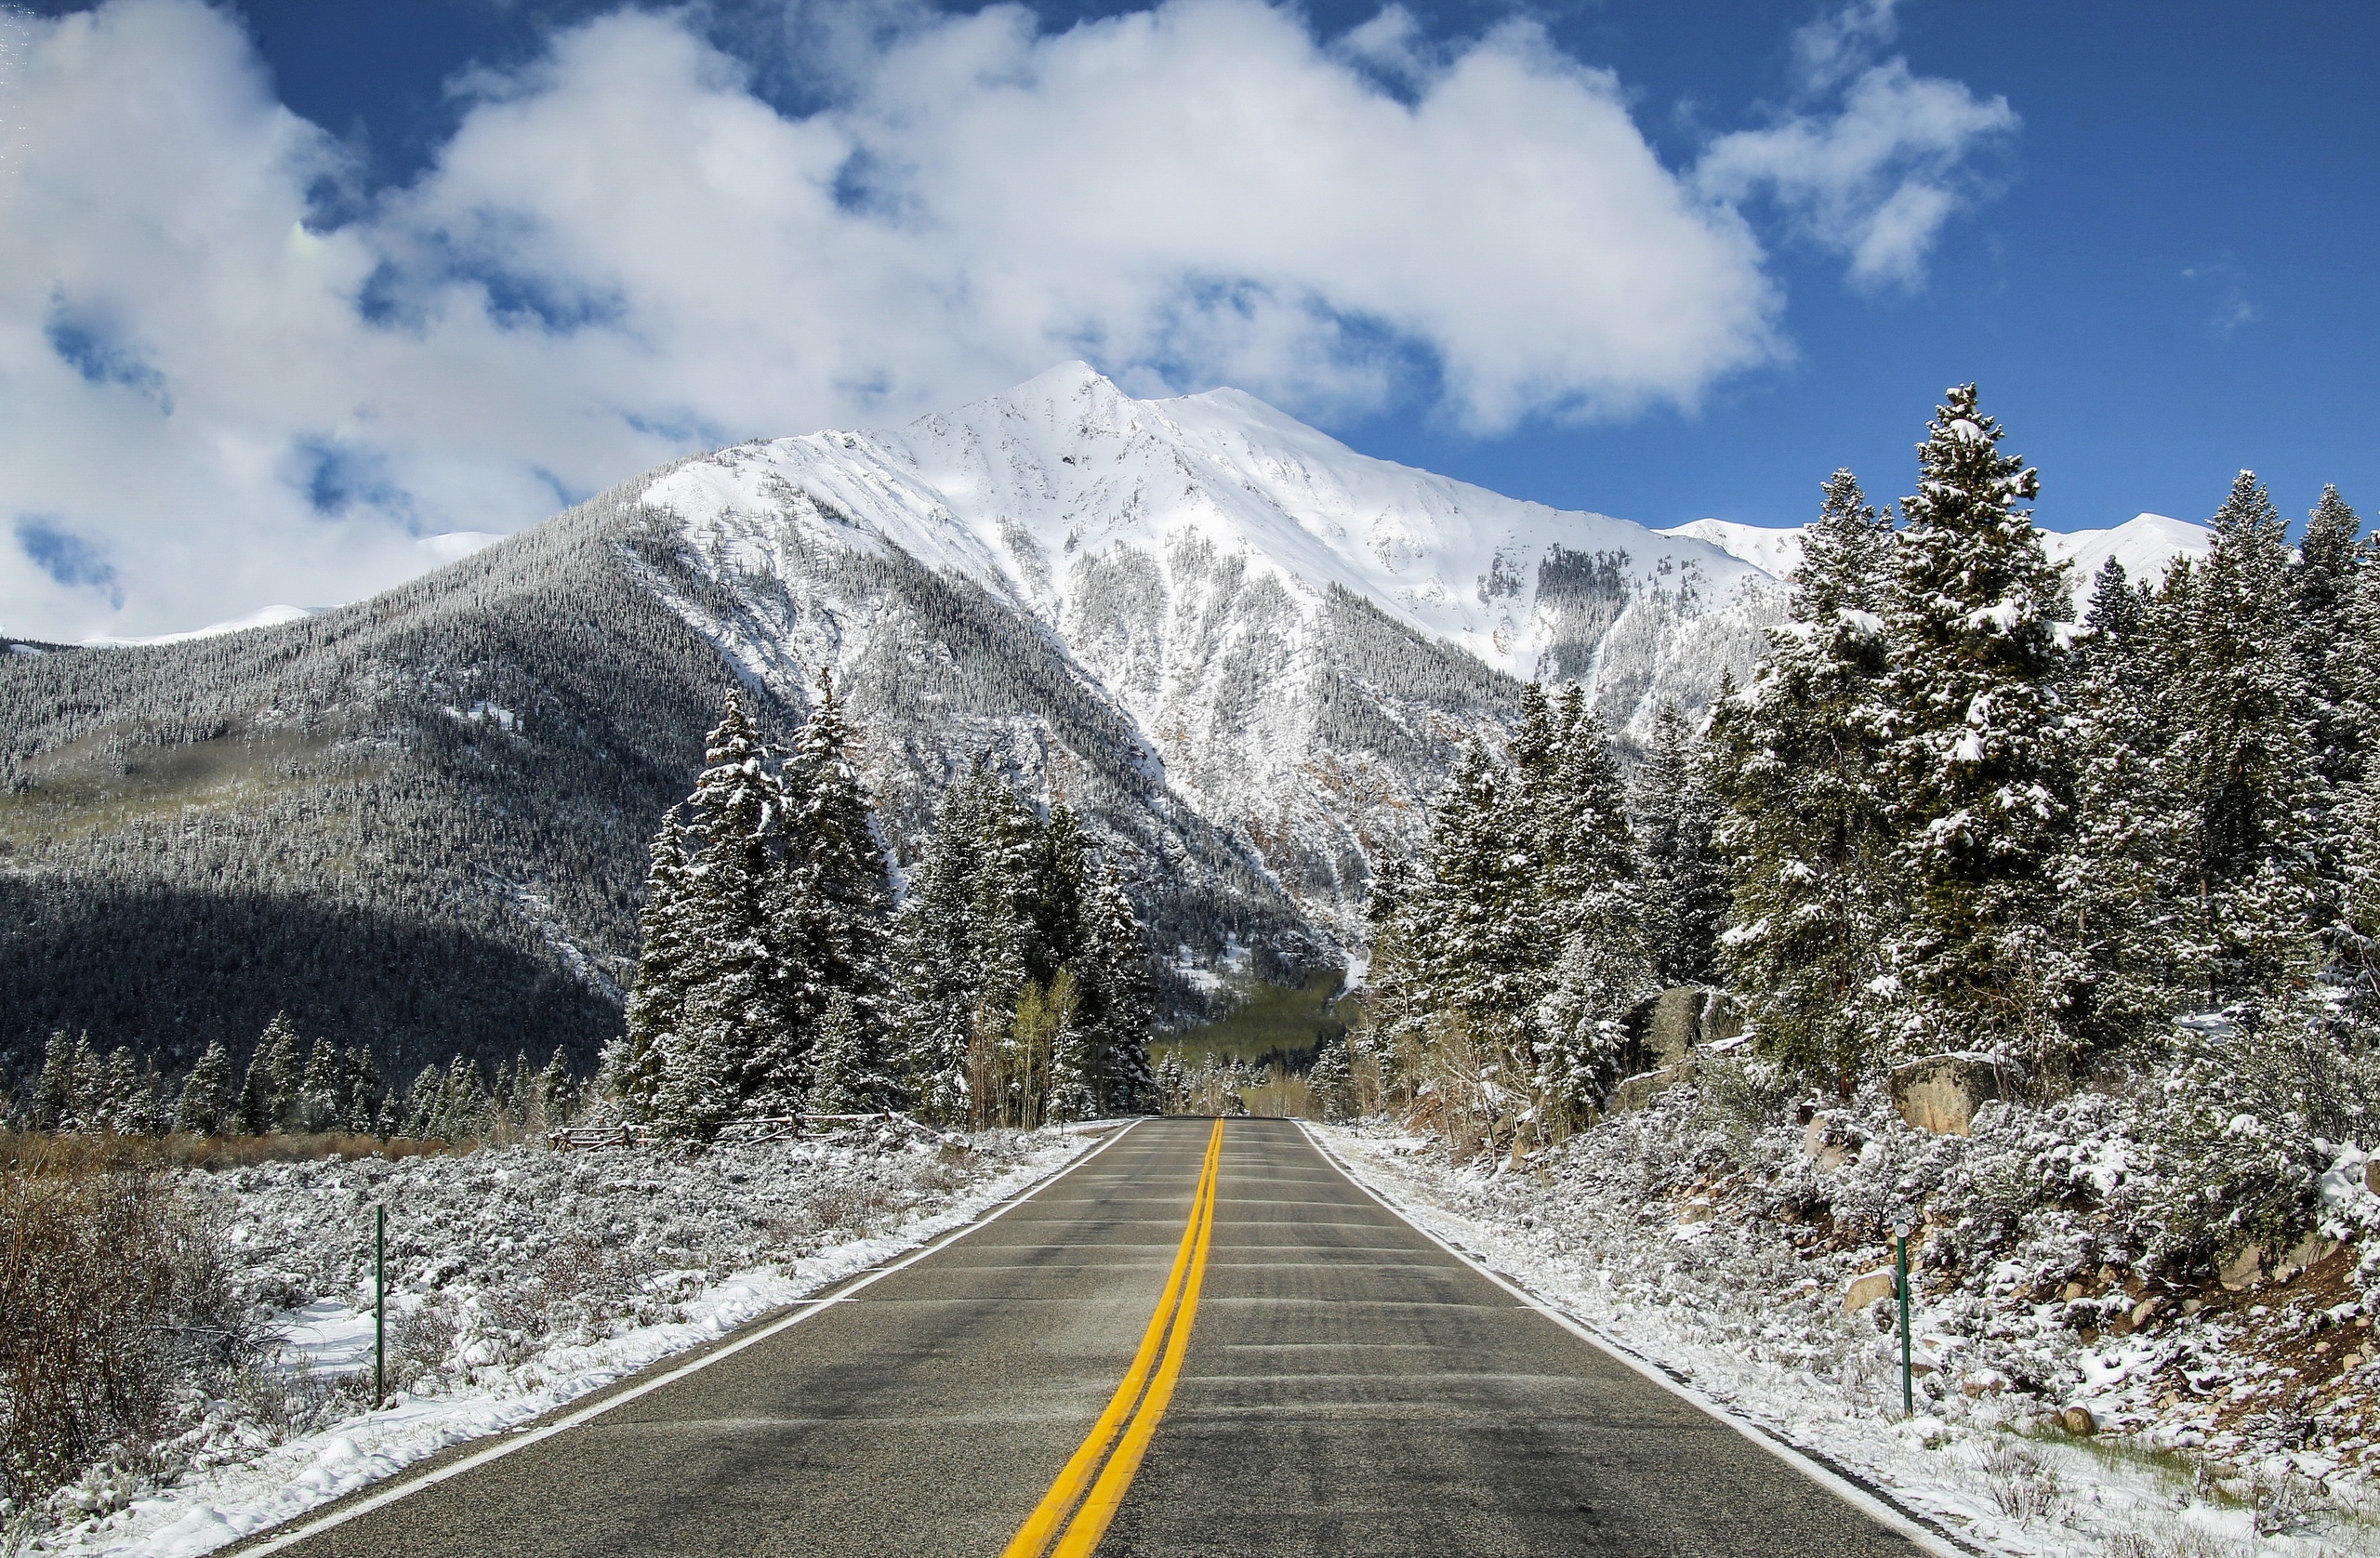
point(657, 1008)
point(827, 905)
point(1599, 908)
point(1677, 816)
point(1802, 757)
point(732, 1049)
point(2250, 776)
point(269, 1095)
point(2115, 878)
point(1980, 756)
point(205, 1101)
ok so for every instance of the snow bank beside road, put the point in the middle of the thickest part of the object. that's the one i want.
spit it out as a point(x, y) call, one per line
point(520, 1279)
point(1728, 1299)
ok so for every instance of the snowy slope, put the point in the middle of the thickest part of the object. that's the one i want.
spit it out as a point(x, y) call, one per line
point(2146, 545)
point(1269, 610)
point(269, 616)
point(1065, 483)
point(1777, 551)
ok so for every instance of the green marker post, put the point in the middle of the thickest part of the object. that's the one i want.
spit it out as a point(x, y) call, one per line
point(1901, 1285)
point(379, 1307)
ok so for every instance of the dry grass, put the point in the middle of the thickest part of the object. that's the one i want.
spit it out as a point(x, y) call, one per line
point(108, 1153)
point(111, 1297)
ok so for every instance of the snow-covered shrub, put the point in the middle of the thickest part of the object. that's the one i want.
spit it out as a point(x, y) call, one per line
point(112, 1295)
point(2245, 1129)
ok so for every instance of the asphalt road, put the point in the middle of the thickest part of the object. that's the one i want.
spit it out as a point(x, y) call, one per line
point(1347, 1388)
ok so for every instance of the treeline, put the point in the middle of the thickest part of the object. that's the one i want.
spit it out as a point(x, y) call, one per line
point(1549, 904)
point(1942, 817)
point(287, 1089)
point(1010, 988)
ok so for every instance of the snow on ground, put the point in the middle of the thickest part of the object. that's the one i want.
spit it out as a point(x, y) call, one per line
point(2192, 1454)
point(520, 1278)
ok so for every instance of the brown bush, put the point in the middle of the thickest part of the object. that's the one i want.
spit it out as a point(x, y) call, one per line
point(106, 1150)
point(111, 1296)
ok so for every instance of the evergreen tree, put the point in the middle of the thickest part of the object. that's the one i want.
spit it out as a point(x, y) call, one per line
point(1600, 913)
point(1504, 965)
point(315, 1108)
point(657, 1000)
point(2242, 751)
point(54, 1089)
point(88, 1110)
point(2116, 877)
point(1677, 817)
point(362, 1094)
point(933, 957)
point(1980, 756)
point(2322, 591)
point(1330, 1085)
point(1802, 764)
point(851, 1076)
point(1118, 1005)
point(269, 1095)
point(142, 1113)
point(119, 1104)
point(206, 1100)
point(827, 908)
point(734, 1044)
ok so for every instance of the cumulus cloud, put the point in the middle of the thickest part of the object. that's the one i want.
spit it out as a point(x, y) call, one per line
point(1870, 160)
point(233, 377)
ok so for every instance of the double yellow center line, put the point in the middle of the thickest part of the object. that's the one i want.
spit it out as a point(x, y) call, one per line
point(1138, 1403)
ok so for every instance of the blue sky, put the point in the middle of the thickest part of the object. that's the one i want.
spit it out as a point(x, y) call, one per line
point(2149, 241)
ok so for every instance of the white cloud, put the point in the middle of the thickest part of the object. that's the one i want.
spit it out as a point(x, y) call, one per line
point(623, 250)
point(1874, 175)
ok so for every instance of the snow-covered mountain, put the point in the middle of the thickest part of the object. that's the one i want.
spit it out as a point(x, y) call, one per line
point(2146, 545)
point(1270, 610)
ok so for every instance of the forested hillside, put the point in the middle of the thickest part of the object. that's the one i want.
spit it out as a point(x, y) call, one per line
point(415, 824)
point(1947, 833)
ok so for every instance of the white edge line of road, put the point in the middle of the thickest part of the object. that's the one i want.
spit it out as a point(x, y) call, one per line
point(1867, 1501)
point(803, 1310)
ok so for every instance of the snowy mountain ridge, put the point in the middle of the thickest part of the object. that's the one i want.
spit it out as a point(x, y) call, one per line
point(1299, 634)
point(1033, 493)
point(2146, 545)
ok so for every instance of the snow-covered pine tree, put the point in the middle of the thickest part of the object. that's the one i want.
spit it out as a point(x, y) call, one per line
point(2333, 666)
point(1330, 1089)
point(119, 1103)
point(362, 1093)
point(1002, 950)
point(2245, 760)
point(2354, 818)
point(421, 1109)
point(1982, 760)
point(53, 1104)
point(269, 1092)
point(848, 1073)
point(933, 958)
point(316, 1106)
point(1478, 899)
point(2322, 591)
point(2115, 877)
point(1598, 899)
point(827, 906)
point(656, 1007)
point(1800, 763)
point(205, 1099)
point(89, 1111)
point(1118, 1007)
point(1677, 816)
point(735, 1042)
